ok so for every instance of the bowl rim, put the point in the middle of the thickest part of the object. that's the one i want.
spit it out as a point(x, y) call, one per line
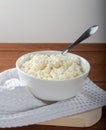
point(54, 80)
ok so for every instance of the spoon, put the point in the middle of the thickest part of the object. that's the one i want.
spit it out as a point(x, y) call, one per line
point(90, 31)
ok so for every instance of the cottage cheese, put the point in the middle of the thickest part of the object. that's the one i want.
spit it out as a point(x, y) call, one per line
point(55, 66)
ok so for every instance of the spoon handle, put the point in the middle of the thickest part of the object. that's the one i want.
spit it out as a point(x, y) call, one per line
point(90, 31)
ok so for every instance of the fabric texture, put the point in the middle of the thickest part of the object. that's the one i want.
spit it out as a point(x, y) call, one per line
point(18, 107)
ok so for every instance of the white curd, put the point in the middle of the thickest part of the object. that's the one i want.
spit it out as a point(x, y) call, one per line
point(55, 66)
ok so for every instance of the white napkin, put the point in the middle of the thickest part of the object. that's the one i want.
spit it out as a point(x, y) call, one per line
point(18, 107)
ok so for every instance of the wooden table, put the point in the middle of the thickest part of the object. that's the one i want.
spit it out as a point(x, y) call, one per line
point(94, 53)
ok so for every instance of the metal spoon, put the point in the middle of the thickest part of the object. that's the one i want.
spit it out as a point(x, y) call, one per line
point(90, 31)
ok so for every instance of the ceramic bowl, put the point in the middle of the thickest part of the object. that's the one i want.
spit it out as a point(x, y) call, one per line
point(52, 90)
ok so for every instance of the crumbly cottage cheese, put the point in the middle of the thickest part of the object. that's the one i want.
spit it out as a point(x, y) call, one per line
point(55, 66)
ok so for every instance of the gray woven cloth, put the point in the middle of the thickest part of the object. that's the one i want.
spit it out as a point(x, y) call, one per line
point(19, 108)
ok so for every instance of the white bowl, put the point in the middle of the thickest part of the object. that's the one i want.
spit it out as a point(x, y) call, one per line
point(53, 90)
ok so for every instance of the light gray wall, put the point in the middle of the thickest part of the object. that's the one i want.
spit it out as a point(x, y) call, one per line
point(50, 20)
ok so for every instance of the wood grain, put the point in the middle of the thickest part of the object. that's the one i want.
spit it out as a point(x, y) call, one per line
point(94, 53)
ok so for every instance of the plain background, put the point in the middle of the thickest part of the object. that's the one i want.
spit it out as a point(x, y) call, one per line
point(51, 21)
